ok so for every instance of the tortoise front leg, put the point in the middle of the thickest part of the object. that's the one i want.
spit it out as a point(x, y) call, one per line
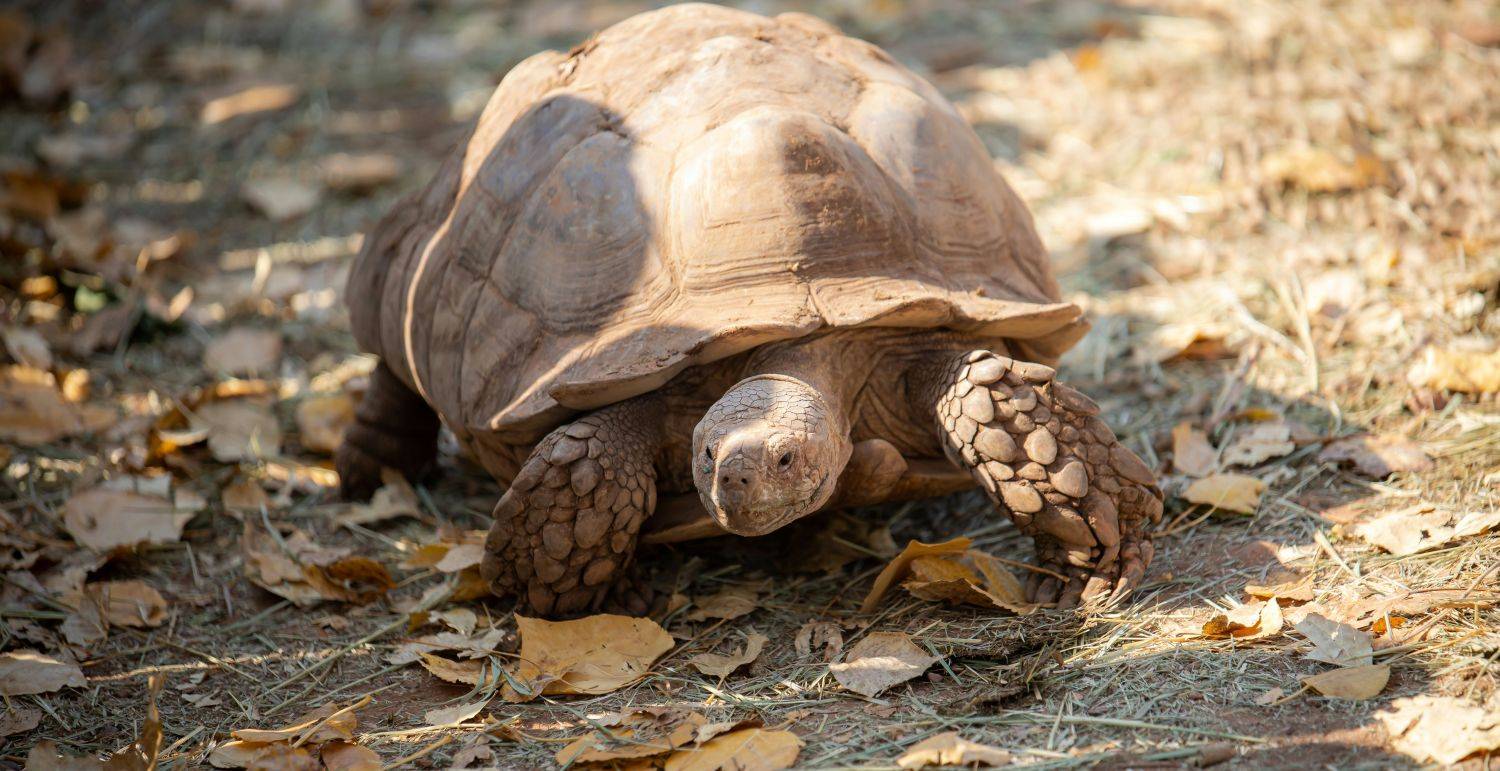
point(1043, 456)
point(565, 532)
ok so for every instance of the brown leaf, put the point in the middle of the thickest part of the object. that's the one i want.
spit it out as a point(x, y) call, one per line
point(347, 756)
point(1335, 643)
point(1318, 170)
point(455, 714)
point(326, 723)
point(1191, 452)
point(470, 672)
point(595, 654)
point(973, 578)
point(1355, 683)
point(19, 720)
point(27, 346)
point(321, 421)
point(901, 566)
point(281, 199)
point(1377, 456)
point(1259, 443)
point(749, 749)
point(1440, 729)
point(33, 410)
point(46, 757)
point(244, 351)
point(1297, 589)
point(720, 665)
point(1230, 492)
point(881, 660)
point(360, 173)
point(819, 634)
point(1422, 528)
point(634, 733)
point(26, 672)
point(1467, 372)
point(395, 498)
point(1255, 621)
point(301, 571)
point(256, 99)
point(729, 602)
point(131, 603)
point(113, 514)
point(238, 429)
point(244, 495)
point(950, 749)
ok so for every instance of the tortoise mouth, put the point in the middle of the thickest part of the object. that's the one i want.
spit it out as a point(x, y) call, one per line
point(753, 522)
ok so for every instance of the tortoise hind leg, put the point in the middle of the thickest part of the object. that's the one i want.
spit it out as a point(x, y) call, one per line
point(565, 532)
point(393, 427)
point(1043, 456)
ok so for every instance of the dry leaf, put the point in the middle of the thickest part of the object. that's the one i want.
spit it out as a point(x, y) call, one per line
point(595, 654)
point(1377, 456)
point(1255, 621)
point(1335, 643)
point(321, 421)
point(282, 198)
point(347, 756)
point(123, 603)
point(26, 672)
point(455, 714)
point(634, 733)
point(301, 571)
point(901, 566)
point(819, 634)
point(1318, 170)
point(973, 578)
point(1191, 452)
point(470, 672)
point(729, 602)
point(1230, 492)
point(1374, 609)
point(111, 515)
point(1440, 729)
point(719, 665)
point(45, 756)
point(326, 723)
point(1189, 341)
point(27, 346)
point(1467, 372)
point(18, 720)
point(360, 173)
point(880, 661)
point(244, 495)
point(34, 411)
point(1259, 443)
point(1295, 589)
point(238, 429)
point(396, 498)
point(749, 749)
point(1422, 528)
point(244, 351)
point(255, 99)
point(1356, 683)
point(950, 749)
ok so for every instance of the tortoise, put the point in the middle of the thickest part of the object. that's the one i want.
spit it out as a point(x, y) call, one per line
point(712, 271)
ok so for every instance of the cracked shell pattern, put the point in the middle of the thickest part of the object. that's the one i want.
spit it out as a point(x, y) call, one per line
point(1043, 456)
point(565, 532)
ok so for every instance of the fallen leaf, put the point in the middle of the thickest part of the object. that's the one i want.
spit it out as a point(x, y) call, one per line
point(19, 720)
point(124, 603)
point(238, 429)
point(1318, 170)
point(1270, 697)
point(1295, 589)
point(1191, 452)
point(326, 723)
point(634, 733)
point(899, 567)
point(360, 173)
point(294, 567)
point(33, 410)
point(244, 495)
point(243, 351)
point(262, 756)
point(1189, 341)
point(395, 498)
point(591, 655)
point(1467, 372)
point(347, 756)
point(1230, 492)
point(1374, 609)
point(281, 198)
point(730, 602)
point(45, 756)
point(249, 101)
point(1335, 643)
point(1259, 443)
point(321, 421)
point(881, 660)
point(972, 578)
point(112, 515)
point(455, 714)
point(720, 665)
point(1254, 621)
point(819, 634)
point(1422, 528)
point(470, 672)
point(749, 749)
point(1355, 683)
point(1440, 729)
point(28, 347)
point(1377, 456)
point(950, 749)
point(26, 672)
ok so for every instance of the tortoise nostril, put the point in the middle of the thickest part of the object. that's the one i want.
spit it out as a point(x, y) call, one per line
point(744, 481)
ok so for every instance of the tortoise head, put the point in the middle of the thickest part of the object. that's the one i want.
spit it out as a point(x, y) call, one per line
point(768, 452)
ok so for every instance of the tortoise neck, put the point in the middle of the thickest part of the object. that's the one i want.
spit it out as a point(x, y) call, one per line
point(835, 364)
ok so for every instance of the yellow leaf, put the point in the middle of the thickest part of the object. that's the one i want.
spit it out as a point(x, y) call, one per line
point(321, 421)
point(455, 714)
point(901, 566)
point(1440, 729)
point(950, 749)
point(1455, 370)
point(595, 654)
point(1191, 452)
point(1362, 682)
point(1318, 170)
point(749, 749)
point(1230, 492)
point(635, 733)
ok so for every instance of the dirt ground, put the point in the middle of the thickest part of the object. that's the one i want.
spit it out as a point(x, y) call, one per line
point(1282, 217)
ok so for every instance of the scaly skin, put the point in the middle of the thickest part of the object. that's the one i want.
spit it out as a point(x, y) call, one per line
point(565, 532)
point(1044, 457)
point(392, 427)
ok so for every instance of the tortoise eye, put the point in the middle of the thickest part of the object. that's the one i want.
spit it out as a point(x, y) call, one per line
point(786, 459)
point(708, 452)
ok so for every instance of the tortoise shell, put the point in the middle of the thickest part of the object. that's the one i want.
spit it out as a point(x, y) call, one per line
point(689, 184)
